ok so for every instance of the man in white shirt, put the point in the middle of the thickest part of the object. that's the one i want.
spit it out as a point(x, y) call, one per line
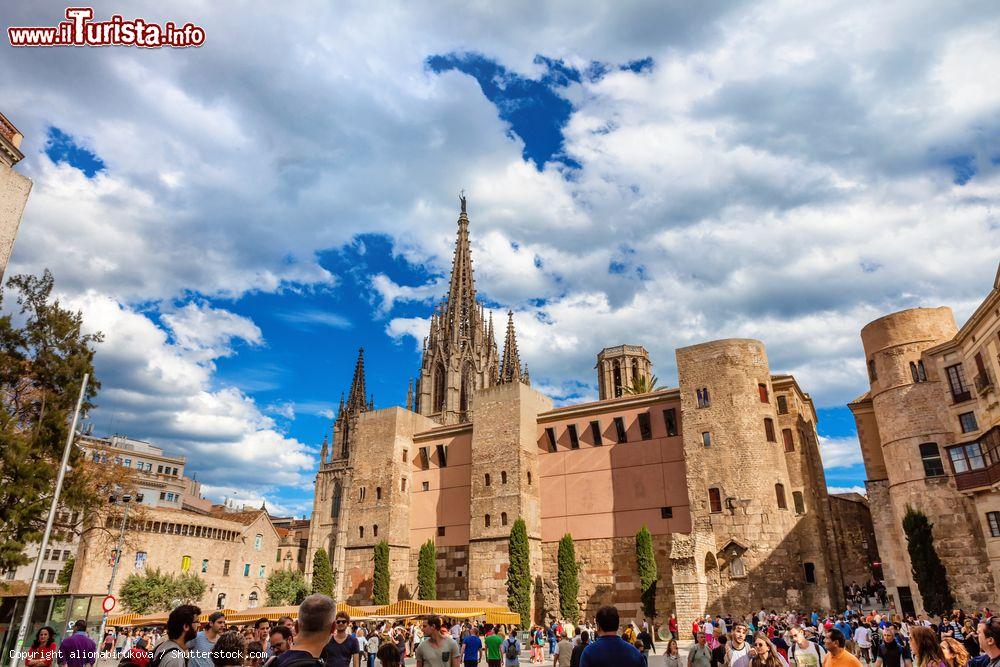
point(863, 638)
point(802, 652)
point(738, 649)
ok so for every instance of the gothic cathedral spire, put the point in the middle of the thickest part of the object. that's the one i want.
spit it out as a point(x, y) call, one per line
point(510, 366)
point(461, 353)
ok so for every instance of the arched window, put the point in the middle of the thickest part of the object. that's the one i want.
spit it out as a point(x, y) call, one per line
point(529, 478)
point(467, 387)
point(798, 502)
point(252, 599)
point(503, 518)
point(487, 479)
point(361, 493)
point(361, 532)
point(378, 493)
point(617, 378)
point(375, 530)
point(503, 476)
point(487, 520)
point(258, 542)
point(779, 492)
point(185, 563)
point(917, 371)
point(402, 485)
point(762, 391)
point(635, 369)
point(439, 380)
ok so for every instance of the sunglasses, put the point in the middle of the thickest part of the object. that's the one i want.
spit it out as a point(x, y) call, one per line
point(341, 621)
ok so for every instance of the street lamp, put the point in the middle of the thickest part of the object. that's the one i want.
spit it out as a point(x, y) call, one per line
point(125, 499)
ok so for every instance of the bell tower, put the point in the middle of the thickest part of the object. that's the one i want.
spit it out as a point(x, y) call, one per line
point(617, 366)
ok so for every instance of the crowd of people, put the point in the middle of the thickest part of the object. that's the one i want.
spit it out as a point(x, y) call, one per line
point(323, 637)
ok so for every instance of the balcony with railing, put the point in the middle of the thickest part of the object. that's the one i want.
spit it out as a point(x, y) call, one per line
point(983, 382)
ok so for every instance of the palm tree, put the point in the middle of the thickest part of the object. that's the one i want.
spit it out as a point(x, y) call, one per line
point(640, 385)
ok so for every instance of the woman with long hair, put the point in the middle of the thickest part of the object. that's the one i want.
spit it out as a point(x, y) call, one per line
point(971, 641)
point(388, 655)
point(925, 647)
point(764, 654)
point(672, 658)
point(43, 649)
point(954, 652)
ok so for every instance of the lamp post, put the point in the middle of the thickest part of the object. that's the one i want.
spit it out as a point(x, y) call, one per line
point(29, 604)
point(125, 500)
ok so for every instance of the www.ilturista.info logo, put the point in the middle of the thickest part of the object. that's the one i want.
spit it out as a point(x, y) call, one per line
point(80, 30)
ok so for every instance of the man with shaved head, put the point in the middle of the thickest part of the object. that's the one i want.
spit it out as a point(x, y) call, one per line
point(312, 633)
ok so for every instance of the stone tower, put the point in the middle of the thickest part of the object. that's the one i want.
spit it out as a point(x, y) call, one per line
point(904, 425)
point(328, 526)
point(616, 366)
point(460, 353)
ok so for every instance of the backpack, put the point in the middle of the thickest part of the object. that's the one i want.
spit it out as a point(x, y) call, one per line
point(512, 652)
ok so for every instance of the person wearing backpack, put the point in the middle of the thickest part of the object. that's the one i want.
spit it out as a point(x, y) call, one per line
point(804, 653)
point(511, 650)
point(182, 627)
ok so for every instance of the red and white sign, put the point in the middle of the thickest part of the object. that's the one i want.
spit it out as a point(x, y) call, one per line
point(108, 603)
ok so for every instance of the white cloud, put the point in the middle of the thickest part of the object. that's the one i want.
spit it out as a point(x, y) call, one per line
point(848, 489)
point(309, 318)
point(839, 452)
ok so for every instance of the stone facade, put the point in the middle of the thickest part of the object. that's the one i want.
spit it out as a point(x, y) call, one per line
point(740, 517)
point(852, 519)
point(233, 552)
point(930, 435)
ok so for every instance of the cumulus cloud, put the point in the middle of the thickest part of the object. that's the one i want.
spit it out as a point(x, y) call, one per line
point(840, 452)
point(848, 489)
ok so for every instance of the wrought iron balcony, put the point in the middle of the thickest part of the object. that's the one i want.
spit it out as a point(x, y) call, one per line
point(983, 382)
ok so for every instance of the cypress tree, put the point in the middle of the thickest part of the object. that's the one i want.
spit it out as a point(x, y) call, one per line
point(380, 587)
point(569, 584)
point(322, 579)
point(646, 565)
point(427, 572)
point(928, 571)
point(519, 573)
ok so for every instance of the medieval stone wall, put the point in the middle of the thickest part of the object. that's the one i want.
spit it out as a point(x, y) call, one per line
point(856, 543)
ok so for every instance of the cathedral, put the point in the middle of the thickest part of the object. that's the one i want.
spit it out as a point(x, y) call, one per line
point(724, 470)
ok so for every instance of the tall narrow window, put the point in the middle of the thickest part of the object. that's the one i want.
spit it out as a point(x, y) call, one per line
point(993, 519)
point(769, 429)
point(487, 479)
point(715, 500)
point(246, 569)
point(872, 374)
point(798, 502)
point(378, 493)
point(503, 518)
point(762, 392)
point(703, 400)
point(782, 405)
point(645, 430)
point(550, 434)
point(574, 439)
point(620, 429)
point(670, 421)
point(439, 388)
point(258, 542)
point(503, 476)
point(225, 568)
point(956, 381)
point(595, 432)
point(375, 530)
point(931, 457)
point(361, 532)
point(442, 452)
point(706, 439)
point(402, 485)
point(786, 436)
point(487, 520)
point(810, 572)
point(361, 493)
point(185, 563)
point(406, 454)
point(779, 494)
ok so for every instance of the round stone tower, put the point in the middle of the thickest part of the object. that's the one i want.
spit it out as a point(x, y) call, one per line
point(738, 482)
point(618, 366)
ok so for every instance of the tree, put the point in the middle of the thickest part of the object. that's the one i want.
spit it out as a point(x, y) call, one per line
point(519, 572)
point(380, 584)
point(322, 579)
point(43, 358)
point(640, 385)
point(929, 572)
point(154, 591)
point(646, 565)
point(285, 587)
point(569, 584)
point(427, 572)
point(66, 574)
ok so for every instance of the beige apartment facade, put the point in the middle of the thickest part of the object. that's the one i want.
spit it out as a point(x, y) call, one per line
point(14, 189)
point(930, 436)
point(724, 470)
point(232, 551)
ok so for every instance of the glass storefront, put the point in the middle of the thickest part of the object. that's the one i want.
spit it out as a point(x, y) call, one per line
point(59, 611)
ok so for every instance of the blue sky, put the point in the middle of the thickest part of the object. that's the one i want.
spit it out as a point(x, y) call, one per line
point(240, 219)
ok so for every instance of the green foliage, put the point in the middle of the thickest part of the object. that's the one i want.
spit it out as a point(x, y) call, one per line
point(646, 565)
point(569, 584)
point(285, 587)
point(322, 579)
point(640, 385)
point(66, 574)
point(43, 358)
point(380, 585)
point(427, 572)
point(928, 571)
point(153, 591)
point(519, 573)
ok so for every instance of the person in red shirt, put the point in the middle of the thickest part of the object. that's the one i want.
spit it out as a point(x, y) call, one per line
point(43, 649)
